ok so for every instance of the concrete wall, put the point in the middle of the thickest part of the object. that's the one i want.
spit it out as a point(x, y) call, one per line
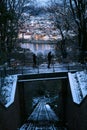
point(73, 115)
point(76, 115)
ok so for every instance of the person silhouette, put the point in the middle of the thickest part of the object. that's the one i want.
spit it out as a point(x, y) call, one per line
point(34, 60)
point(49, 59)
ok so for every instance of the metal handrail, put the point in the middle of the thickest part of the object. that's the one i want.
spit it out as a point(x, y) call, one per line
point(42, 68)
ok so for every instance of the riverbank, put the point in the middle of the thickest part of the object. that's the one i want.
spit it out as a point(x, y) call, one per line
point(20, 40)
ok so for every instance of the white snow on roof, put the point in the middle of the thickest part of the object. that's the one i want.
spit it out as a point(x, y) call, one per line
point(78, 85)
point(7, 93)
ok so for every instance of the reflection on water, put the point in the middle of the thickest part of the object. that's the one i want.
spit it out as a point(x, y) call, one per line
point(36, 47)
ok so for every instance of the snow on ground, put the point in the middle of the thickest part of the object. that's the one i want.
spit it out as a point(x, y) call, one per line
point(82, 79)
point(7, 90)
point(44, 69)
point(78, 85)
point(57, 67)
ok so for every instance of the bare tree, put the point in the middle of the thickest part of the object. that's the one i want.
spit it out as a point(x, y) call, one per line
point(10, 14)
point(79, 10)
point(62, 20)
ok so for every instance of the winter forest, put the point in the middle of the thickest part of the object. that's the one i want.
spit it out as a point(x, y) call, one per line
point(69, 26)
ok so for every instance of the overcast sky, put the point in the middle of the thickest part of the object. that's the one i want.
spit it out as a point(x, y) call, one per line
point(42, 2)
point(46, 2)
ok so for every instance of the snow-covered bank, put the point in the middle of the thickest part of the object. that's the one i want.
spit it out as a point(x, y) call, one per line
point(78, 85)
point(7, 90)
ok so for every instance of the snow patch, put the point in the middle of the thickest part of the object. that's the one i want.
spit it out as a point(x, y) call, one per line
point(78, 85)
point(7, 90)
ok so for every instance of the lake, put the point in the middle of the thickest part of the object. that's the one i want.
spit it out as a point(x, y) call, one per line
point(38, 47)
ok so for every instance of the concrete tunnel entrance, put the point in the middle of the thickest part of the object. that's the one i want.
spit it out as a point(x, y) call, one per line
point(51, 87)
